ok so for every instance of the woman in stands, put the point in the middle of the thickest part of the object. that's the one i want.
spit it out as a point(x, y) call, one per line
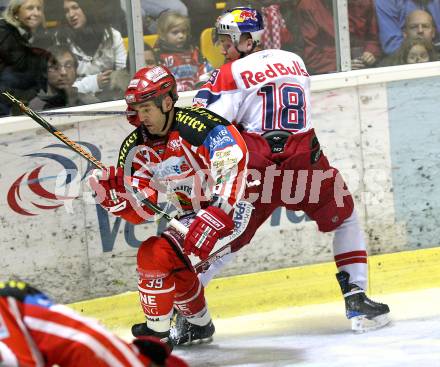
point(98, 47)
point(22, 65)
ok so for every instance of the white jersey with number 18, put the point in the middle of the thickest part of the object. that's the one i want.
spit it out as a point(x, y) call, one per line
point(266, 90)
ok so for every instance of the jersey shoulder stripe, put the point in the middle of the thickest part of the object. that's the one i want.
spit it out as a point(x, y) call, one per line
point(221, 80)
point(194, 124)
point(132, 140)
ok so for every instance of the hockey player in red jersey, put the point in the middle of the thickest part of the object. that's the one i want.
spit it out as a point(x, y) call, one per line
point(267, 93)
point(36, 332)
point(200, 159)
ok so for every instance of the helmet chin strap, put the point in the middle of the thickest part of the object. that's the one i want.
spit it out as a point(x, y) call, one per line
point(167, 114)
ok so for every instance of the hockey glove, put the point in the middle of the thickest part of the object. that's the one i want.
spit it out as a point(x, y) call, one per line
point(133, 117)
point(158, 352)
point(208, 227)
point(108, 185)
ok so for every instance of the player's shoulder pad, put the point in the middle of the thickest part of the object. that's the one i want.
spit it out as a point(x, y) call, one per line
point(17, 289)
point(132, 140)
point(195, 123)
point(222, 79)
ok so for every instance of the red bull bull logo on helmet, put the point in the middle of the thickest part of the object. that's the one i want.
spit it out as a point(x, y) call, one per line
point(243, 15)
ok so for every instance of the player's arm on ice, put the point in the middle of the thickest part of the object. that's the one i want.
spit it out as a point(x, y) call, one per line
point(227, 156)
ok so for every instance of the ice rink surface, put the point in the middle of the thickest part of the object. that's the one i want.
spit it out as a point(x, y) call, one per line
point(319, 335)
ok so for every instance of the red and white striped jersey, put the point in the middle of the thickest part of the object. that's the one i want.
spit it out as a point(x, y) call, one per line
point(36, 332)
point(266, 90)
point(202, 161)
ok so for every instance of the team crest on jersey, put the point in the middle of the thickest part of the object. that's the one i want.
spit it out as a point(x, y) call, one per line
point(184, 167)
point(4, 332)
point(173, 145)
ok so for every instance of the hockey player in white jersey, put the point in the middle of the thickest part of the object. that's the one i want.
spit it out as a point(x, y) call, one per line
point(267, 93)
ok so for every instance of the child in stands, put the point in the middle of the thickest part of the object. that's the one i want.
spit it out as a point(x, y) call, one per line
point(175, 50)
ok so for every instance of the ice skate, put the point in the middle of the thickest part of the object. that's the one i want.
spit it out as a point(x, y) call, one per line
point(184, 333)
point(142, 329)
point(364, 314)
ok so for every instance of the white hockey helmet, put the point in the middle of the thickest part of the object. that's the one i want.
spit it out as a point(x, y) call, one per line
point(236, 21)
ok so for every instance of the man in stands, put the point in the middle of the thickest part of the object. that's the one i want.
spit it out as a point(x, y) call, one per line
point(419, 25)
point(59, 91)
point(392, 16)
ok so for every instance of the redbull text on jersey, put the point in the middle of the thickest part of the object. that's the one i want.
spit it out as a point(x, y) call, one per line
point(272, 71)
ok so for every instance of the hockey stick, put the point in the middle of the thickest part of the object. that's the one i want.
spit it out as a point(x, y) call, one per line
point(88, 113)
point(222, 246)
point(78, 149)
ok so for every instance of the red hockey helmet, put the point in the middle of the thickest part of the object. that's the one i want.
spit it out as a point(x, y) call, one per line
point(151, 83)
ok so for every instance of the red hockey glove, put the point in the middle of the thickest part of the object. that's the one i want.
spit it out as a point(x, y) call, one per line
point(108, 185)
point(208, 227)
point(133, 117)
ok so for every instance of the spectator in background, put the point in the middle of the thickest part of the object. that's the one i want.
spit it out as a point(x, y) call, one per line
point(115, 15)
point(61, 74)
point(174, 50)
point(202, 15)
point(317, 29)
point(391, 17)
point(149, 55)
point(120, 78)
point(98, 47)
point(152, 9)
point(22, 66)
point(419, 25)
point(276, 33)
point(418, 51)
point(412, 51)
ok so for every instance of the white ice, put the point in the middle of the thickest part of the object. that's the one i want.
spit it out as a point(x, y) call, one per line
point(319, 335)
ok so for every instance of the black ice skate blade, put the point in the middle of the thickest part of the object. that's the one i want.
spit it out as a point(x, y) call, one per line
point(196, 342)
